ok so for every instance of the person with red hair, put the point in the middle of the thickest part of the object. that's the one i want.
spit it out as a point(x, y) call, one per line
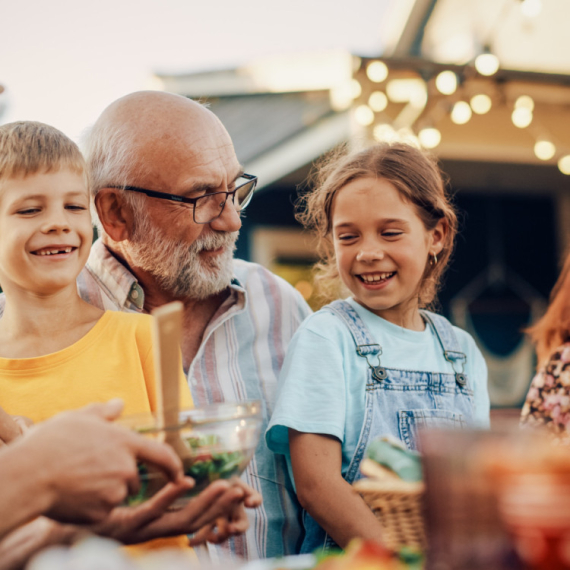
point(547, 403)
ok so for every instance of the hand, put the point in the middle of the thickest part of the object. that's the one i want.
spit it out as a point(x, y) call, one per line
point(88, 464)
point(233, 523)
point(12, 427)
point(216, 513)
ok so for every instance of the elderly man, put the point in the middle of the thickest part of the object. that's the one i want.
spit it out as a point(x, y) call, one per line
point(168, 191)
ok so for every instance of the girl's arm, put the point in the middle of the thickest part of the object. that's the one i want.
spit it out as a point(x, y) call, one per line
point(317, 461)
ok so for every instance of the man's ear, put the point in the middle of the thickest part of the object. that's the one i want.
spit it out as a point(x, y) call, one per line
point(115, 216)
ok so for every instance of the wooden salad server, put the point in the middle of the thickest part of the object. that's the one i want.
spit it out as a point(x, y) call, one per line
point(167, 333)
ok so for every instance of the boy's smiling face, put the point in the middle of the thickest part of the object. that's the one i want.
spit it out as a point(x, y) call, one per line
point(45, 231)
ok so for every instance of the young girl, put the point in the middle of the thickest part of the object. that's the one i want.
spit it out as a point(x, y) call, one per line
point(374, 364)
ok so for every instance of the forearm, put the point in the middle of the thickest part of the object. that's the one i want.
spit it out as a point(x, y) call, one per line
point(334, 504)
point(23, 543)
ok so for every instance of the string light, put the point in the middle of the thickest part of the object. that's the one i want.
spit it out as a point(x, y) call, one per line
point(384, 133)
point(521, 117)
point(487, 63)
point(378, 101)
point(406, 135)
point(446, 82)
point(364, 115)
point(429, 137)
point(525, 102)
point(461, 113)
point(544, 150)
point(356, 88)
point(377, 71)
point(409, 90)
point(341, 96)
point(481, 103)
point(564, 164)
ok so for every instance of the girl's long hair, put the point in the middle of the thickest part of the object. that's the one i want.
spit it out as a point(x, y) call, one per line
point(553, 329)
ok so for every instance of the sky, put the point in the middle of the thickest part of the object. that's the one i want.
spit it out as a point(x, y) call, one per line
point(63, 61)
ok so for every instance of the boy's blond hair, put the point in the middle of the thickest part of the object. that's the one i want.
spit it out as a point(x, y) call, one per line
point(30, 147)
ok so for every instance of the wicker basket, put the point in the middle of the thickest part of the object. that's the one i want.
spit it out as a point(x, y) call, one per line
point(397, 504)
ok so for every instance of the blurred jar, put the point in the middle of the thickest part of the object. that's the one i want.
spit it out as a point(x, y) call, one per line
point(463, 523)
point(533, 482)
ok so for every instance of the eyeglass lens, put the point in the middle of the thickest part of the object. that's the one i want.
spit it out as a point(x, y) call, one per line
point(208, 208)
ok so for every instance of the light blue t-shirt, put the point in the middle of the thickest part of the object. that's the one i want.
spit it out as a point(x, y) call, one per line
point(322, 382)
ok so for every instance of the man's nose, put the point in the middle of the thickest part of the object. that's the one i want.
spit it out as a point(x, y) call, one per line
point(229, 220)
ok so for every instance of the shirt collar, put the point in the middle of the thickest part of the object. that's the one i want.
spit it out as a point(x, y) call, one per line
point(119, 282)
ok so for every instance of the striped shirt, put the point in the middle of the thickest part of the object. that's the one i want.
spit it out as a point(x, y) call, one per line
point(240, 357)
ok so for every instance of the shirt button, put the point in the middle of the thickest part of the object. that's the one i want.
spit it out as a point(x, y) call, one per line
point(135, 294)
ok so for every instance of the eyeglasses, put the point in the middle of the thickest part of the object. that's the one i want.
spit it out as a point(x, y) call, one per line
point(209, 206)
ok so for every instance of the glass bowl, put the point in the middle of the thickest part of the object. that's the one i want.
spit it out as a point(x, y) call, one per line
point(220, 438)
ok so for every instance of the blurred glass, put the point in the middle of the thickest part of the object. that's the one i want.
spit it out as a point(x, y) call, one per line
point(532, 474)
point(463, 525)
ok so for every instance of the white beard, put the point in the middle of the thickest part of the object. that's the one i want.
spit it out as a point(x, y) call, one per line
point(177, 267)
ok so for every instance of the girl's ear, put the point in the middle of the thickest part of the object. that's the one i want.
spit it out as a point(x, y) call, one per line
point(438, 236)
point(115, 217)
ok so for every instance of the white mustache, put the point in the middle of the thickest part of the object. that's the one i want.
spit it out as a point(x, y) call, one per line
point(214, 241)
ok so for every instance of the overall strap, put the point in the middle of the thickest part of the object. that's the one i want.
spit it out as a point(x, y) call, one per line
point(451, 348)
point(365, 343)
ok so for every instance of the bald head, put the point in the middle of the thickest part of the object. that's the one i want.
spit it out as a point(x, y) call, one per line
point(144, 133)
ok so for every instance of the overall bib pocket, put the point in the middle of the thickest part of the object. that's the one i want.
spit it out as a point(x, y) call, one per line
point(411, 421)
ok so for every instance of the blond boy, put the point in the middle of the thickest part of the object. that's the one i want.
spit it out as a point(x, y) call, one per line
point(57, 352)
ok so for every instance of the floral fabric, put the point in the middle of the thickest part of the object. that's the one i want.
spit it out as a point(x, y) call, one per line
point(547, 403)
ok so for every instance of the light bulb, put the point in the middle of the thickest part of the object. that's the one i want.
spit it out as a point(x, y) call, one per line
point(410, 90)
point(524, 102)
point(461, 113)
point(564, 164)
point(384, 133)
point(544, 150)
point(446, 82)
point(407, 136)
point(356, 88)
point(341, 96)
point(429, 137)
point(481, 103)
point(522, 117)
point(364, 115)
point(487, 63)
point(378, 101)
point(377, 71)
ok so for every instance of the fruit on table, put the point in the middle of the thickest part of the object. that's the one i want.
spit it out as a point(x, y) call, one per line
point(369, 555)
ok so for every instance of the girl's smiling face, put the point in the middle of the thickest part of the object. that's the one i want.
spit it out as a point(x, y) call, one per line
point(382, 248)
point(45, 231)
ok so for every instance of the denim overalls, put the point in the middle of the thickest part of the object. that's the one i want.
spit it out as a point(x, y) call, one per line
point(399, 402)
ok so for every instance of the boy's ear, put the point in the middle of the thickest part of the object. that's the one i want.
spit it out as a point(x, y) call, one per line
point(439, 233)
point(116, 218)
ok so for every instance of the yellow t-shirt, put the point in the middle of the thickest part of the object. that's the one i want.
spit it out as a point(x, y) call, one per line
point(115, 359)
